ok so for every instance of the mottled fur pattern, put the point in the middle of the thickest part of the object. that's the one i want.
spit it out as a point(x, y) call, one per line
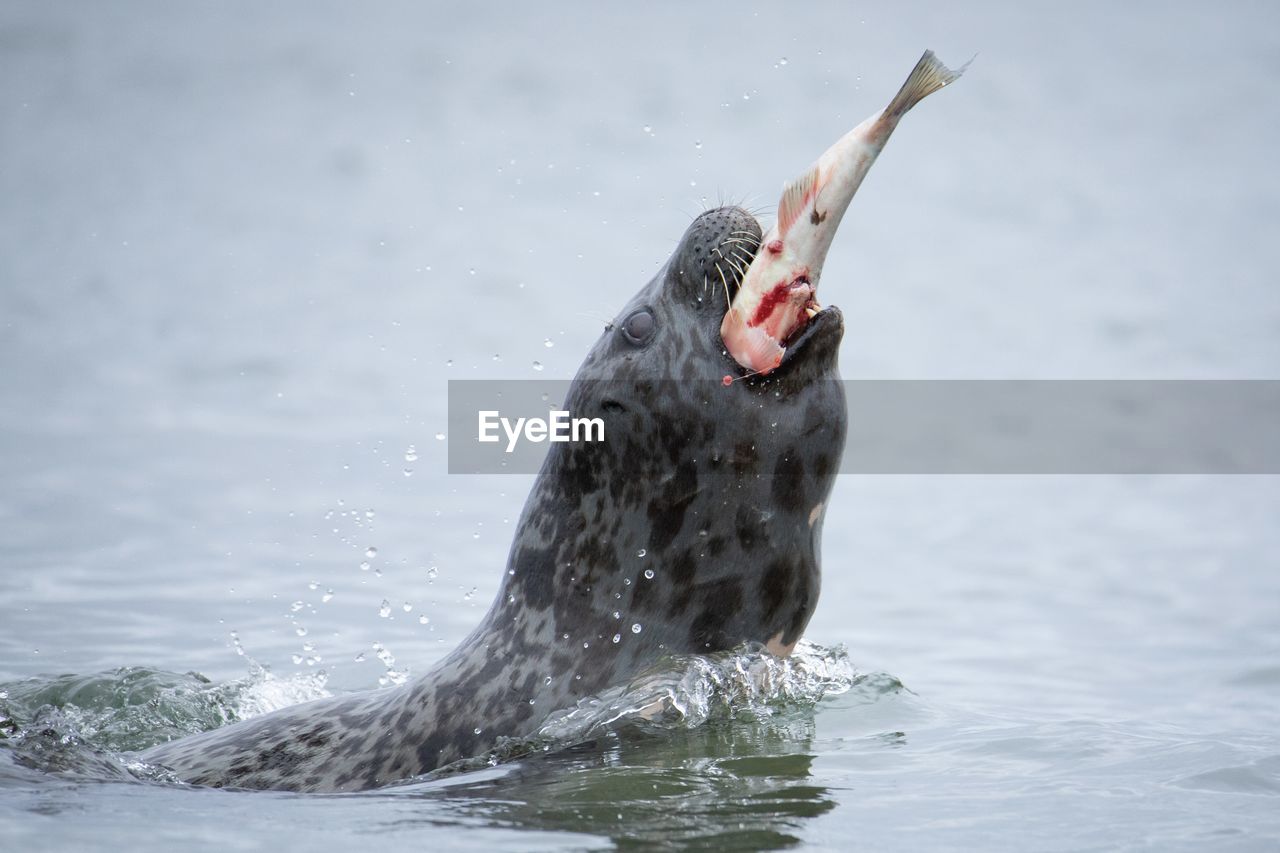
point(698, 520)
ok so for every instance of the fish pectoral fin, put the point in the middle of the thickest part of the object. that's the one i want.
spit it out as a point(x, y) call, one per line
point(927, 77)
point(795, 196)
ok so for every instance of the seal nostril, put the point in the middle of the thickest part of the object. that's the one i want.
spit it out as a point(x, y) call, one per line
point(613, 406)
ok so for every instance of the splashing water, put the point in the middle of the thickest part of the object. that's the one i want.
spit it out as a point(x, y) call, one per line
point(688, 691)
point(77, 725)
point(691, 690)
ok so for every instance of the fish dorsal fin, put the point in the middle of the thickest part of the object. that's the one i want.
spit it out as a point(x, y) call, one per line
point(794, 197)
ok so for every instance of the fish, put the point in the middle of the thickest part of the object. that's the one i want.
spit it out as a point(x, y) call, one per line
point(777, 295)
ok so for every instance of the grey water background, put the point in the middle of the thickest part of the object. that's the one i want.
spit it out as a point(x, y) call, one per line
point(244, 247)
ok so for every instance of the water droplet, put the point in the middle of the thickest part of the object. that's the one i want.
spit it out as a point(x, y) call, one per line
point(477, 731)
point(448, 363)
point(364, 566)
point(648, 129)
point(648, 574)
point(371, 552)
point(467, 596)
point(423, 620)
point(359, 658)
point(617, 615)
point(548, 343)
point(635, 628)
point(641, 552)
point(385, 610)
point(511, 599)
point(308, 646)
point(300, 631)
point(313, 585)
point(547, 680)
point(411, 454)
point(783, 61)
point(327, 597)
point(439, 436)
point(565, 635)
point(532, 701)
point(406, 607)
point(697, 143)
point(296, 606)
point(537, 365)
point(432, 572)
point(297, 659)
point(617, 638)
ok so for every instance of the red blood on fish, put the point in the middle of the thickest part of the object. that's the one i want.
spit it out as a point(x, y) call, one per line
point(769, 302)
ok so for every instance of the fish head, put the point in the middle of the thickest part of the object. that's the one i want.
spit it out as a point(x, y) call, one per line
point(774, 306)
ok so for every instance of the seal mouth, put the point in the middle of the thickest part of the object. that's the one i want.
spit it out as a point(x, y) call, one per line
point(803, 333)
point(817, 323)
point(810, 310)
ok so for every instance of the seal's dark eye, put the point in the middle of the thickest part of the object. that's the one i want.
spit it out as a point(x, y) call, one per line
point(639, 326)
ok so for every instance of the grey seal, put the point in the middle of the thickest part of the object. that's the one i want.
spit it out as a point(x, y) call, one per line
point(699, 520)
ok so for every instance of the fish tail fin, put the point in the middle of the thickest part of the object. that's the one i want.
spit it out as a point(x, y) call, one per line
point(927, 77)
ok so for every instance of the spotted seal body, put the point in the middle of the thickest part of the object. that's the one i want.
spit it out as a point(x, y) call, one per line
point(699, 520)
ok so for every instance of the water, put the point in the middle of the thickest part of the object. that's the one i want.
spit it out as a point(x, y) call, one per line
point(244, 249)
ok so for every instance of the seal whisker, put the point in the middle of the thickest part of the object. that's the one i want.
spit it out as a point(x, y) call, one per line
point(735, 258)
point(743, 259)
point(737, 265)
point(728, 300)
point(591, 315)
